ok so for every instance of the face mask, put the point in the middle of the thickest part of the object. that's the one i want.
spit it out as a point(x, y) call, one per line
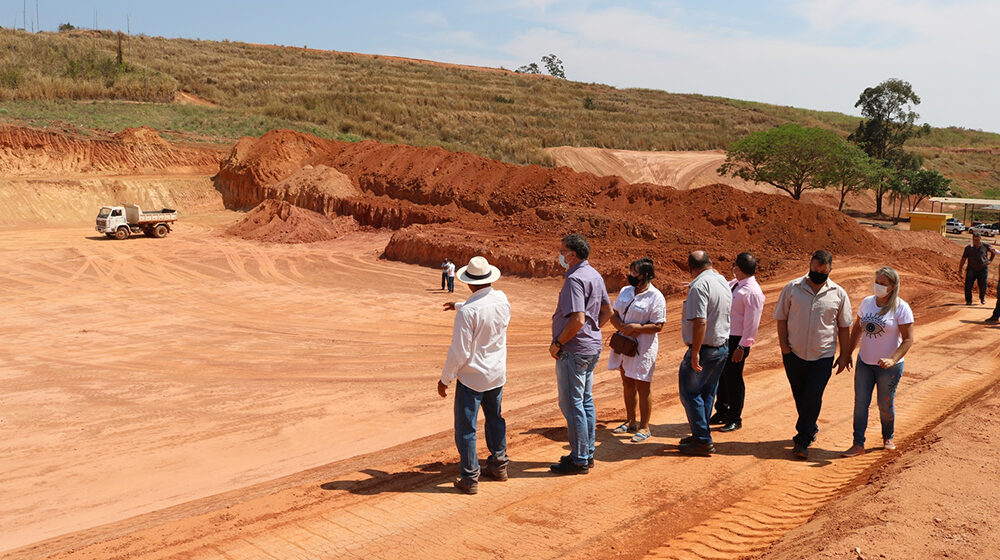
point(817, 277)
point(633, 280)
point(881, 291)
point(562, 261)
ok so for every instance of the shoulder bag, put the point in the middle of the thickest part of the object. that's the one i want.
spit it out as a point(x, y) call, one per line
point(622, 344)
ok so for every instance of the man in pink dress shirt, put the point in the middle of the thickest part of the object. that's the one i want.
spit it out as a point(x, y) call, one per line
point(744, 319)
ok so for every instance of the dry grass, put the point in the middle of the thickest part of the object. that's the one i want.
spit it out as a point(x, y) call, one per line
point(502, 115)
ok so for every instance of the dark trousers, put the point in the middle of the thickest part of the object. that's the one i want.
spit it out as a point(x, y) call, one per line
point(808, 380)
point(444, 280)
point(996, 310)
point(975, 276)
point(732, 389)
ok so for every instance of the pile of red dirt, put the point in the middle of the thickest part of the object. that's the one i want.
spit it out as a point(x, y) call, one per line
point(460, 205)
point(276, 221)
point(28, 151)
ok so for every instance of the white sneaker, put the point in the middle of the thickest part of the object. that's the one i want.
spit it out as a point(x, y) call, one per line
point(888, 445)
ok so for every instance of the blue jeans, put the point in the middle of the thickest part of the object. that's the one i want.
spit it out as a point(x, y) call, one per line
point(451, 283)
point(467, 403)
point(866, 378)
point(575, 378)
point(808, 380)
point(697, 388)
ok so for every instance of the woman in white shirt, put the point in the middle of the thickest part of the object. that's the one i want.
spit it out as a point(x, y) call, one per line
point(639, 312)
point(885, 332)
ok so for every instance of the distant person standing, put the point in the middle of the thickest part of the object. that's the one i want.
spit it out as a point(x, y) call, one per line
point(639, 313)
point(582, 309)
point(979, 255)
point(744, 320)
point(705, 330)
point(450, 271)
point(813, 315)
point(477, 358)
point(885, 332)
point(444, 275)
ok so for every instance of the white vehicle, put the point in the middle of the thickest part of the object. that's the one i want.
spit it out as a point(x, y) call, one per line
point(120, 222)
point(988, 230)
point(954, 227)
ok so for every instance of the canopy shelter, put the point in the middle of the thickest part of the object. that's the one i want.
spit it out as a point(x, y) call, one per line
point(967, 202)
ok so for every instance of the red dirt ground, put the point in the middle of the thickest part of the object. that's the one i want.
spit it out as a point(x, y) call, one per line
point(206, 396)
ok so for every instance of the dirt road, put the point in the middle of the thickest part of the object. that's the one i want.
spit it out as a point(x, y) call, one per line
point(206, 397)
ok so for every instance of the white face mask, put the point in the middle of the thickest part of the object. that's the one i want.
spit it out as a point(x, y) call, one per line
point(562, 261)
point(881, 291)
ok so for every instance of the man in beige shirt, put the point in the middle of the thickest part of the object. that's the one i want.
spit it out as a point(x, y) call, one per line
point(813, 314)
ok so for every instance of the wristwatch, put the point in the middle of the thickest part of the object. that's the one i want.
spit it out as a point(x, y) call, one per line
point(557, 343)
point(740, 347)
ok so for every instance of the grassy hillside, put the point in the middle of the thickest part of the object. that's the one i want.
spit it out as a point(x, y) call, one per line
point(496, 113)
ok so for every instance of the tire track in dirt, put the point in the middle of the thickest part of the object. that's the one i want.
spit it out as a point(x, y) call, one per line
point(921, 406)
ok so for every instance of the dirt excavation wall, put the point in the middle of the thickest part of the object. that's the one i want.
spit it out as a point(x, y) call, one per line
point(27, 152)
point(457, 204)
point(77, 201)
point(49, 178)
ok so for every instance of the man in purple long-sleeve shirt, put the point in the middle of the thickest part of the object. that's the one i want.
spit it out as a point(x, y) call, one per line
point(744, 320)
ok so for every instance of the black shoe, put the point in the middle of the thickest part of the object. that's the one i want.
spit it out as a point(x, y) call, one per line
point(467, 485)
point(566, 459)
point(688, 439)
point(496, 472)
point(993, 320)
point(716, 418)
point(566, 467)
point(697, 448)
point(800, 451)
point(731, 427)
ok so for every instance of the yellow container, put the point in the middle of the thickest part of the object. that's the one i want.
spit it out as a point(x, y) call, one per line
point(928, 221)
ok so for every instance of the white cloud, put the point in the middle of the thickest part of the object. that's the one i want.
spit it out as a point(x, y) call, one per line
point(946, 50)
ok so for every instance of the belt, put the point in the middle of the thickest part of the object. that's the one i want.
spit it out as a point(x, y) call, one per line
point(709, 346)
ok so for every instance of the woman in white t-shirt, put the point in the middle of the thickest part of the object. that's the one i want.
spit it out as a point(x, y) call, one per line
point(885, 332)
point(639, 312)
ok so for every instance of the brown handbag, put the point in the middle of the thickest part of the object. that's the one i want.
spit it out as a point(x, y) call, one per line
point(622, 344)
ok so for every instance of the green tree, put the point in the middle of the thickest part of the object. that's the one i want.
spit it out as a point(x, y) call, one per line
point(529, 69)
point(790, 157)
point(925, 184)
point(852, 171)
point(554, 66)
point(909, 187)
point(888, 122)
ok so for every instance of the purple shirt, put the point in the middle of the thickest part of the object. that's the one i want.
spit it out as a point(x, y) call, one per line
point(582, 290)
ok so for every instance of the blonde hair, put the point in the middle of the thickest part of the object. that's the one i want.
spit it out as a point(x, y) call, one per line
point(893, 277)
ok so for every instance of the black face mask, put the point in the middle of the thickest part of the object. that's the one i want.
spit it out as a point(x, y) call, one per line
point(633, 280)
point(817, 277)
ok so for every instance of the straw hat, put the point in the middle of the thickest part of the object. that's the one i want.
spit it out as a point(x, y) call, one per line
point(478, 272)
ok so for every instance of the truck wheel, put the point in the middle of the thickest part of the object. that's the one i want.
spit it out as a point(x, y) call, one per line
point(121, 233)
point(160, 231)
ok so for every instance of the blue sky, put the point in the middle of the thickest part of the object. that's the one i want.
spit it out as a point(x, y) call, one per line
point(817, 54)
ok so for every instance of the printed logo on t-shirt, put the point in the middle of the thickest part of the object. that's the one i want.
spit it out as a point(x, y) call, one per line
point(873, 324)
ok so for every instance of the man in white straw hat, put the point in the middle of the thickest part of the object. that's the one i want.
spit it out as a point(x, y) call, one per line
point(478, 360)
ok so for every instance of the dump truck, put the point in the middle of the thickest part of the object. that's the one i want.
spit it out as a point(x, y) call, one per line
point(119, 222)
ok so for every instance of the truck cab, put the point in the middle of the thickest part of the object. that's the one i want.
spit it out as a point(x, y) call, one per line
point(110, 218)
